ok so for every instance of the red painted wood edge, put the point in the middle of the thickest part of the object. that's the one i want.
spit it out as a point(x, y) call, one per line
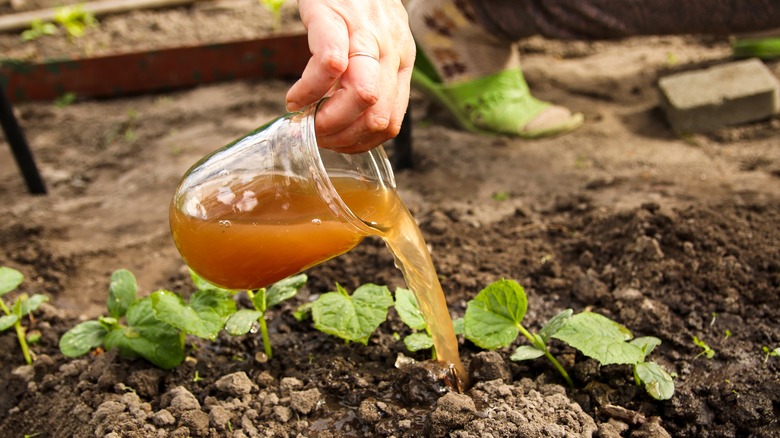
point(157, 70)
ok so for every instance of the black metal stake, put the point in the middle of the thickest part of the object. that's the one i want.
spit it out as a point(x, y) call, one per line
point(19, 147)
point(402, 144)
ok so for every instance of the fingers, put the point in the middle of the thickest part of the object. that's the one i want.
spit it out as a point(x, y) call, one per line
point(362, 88)
point(329, 45)
point(362, 56)
point(376, 123)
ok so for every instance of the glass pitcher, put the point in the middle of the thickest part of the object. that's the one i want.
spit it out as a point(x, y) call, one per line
point(272, 204)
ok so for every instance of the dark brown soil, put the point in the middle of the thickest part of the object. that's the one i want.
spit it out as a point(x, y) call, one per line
point(672, 237)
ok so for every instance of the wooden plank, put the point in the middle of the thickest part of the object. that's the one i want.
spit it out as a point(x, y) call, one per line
point(22, 20)
point(158, 70)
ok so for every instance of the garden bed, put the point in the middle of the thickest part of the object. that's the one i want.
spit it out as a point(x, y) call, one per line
point(672, 237)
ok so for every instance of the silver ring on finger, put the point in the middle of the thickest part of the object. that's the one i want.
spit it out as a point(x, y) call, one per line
point(366, 54)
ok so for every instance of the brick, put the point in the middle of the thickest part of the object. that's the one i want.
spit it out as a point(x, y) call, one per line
point(727, 94)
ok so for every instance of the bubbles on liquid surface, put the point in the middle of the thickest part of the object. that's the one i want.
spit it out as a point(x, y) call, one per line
point(224, 223)
point(316, 221)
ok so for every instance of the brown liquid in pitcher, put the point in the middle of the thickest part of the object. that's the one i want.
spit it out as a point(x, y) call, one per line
point(264, 229)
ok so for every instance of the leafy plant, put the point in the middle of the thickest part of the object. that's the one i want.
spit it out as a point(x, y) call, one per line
point(242, 321)
point(409, 312)
point(155, 327)
point(501, 196)
point(65, 100)
point(706, 351)
point(275, 6)
point(352, 317)
point(203, 316)
point(24, 305)
point(493, 320)
point(38, 28)
point(141, 335)
point(770, 353)
point(75, 20)
point(608, 342)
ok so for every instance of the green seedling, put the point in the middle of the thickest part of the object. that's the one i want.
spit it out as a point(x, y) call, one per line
point(770, 353)
point(493, 320)
point(242, 321)
point(65, 100)
point(608, 342)
point(24, 305)
point(657, 382)
point(75, 20)
point(352, 317)
point(38, 28)
point(275, 6)
point(141, 334)
point(409, 312)
point(706, 351)
point(33, 336)
point(501, 196)
point(205, 314)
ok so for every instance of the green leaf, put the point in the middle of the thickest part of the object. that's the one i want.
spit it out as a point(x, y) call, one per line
point(82, 338)
point(17, 307)
point(600, 338)
point(240, 323)
point(526, 352)
point(458, 325)
point(146, 337)
point(493, 317)
point(302, 312)
point(658, 383)
point(33, 303)
point(201, 284)
point(408, 310)
point(7, 321)
point(121, 292)
point(284, 289)
point(352, 318)
point(273, 5)
point(10, 279)
point(554, 324)
point(706, 350)
point(418, 341)
point(203, 317)
point(646, 343)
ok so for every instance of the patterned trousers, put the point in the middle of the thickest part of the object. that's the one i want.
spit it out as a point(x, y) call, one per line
point(605, 19)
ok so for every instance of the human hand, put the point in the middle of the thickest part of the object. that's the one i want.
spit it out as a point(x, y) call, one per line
point(362, 57)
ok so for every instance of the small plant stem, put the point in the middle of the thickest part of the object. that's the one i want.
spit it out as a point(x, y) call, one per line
point(558, 367)
point(20, 333)
point(4, 308)
point(277, 26)
point(261, 321)
point(266, 339)
point(547, 354)
point(433, 349)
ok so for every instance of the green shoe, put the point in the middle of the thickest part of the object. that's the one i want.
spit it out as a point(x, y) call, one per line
point(763, 48)
point(496, 104)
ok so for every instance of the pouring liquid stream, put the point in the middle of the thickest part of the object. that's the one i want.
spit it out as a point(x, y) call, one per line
point(245, 232)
